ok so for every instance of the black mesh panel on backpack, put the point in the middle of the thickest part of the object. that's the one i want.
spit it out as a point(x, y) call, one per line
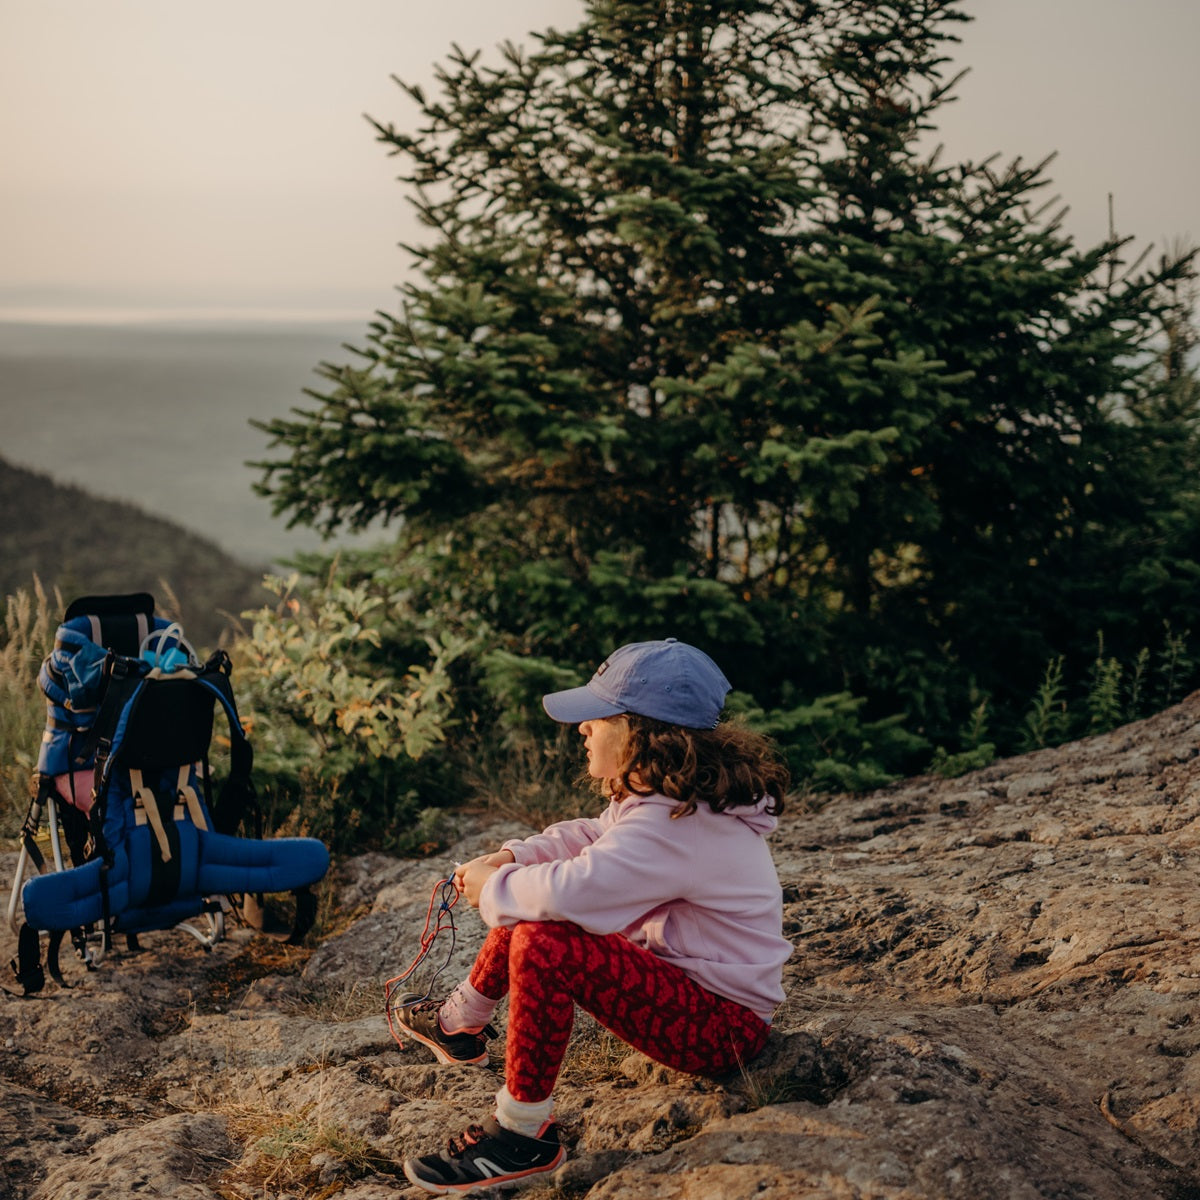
point(174, 725)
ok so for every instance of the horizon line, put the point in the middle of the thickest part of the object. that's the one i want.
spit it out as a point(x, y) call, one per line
point(27, 314)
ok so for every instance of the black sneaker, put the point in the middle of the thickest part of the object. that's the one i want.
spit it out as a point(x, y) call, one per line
point(487, 1155)
point(419, 1018)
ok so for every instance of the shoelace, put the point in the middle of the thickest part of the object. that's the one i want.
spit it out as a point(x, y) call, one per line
point(459, 1144)
point(443, 900)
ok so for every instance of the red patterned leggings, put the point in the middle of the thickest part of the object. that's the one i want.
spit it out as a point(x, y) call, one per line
point(547, 967)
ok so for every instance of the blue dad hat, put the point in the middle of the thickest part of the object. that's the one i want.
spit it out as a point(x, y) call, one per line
point(668, 680)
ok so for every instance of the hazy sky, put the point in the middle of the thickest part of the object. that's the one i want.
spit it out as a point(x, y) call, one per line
point(157, 153)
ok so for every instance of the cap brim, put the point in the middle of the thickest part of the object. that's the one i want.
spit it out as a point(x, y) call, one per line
point(578, 704)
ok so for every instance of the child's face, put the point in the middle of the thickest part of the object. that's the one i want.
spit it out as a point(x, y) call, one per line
point(605, 743)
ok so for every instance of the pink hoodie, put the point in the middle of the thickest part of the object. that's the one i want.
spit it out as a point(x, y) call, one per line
point(699, 891)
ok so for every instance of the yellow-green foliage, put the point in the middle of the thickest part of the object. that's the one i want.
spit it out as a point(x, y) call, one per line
point(26, 637)
point(341, 715)
point(305, 670)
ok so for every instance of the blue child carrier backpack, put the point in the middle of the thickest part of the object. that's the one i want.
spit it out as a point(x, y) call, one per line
point(123, 774)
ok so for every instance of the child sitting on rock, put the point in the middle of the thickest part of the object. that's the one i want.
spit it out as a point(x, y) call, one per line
point(662, 917)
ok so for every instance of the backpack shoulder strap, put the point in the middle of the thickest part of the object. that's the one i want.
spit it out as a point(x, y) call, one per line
point(238, 800)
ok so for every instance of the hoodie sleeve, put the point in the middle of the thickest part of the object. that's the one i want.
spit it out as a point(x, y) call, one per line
point(564, 839)
point(640, 861)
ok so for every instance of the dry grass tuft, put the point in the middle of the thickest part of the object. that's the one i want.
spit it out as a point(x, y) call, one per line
point(26, 637)
point(337, 1004)
point(528, 780)
point(594, 1055)
point(295, 1153)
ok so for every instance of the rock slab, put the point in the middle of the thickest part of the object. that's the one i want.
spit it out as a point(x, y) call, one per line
point(993, 995)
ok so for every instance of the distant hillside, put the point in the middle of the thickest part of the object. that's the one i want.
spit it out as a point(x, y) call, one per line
point(84, 545)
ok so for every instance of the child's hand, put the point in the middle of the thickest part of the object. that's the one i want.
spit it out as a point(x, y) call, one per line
point(470, 877)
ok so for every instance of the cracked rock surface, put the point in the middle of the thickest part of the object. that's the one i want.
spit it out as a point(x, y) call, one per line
point(994, 994)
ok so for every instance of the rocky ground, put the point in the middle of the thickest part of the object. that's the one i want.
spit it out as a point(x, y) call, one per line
point(993, 995)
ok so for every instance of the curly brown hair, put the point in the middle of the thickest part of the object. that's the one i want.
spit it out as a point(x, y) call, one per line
point(726, 767)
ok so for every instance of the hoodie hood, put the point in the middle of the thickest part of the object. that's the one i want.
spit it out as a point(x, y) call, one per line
point(755, 815)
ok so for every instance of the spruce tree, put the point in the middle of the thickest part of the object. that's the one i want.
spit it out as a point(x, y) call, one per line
point(702, 343)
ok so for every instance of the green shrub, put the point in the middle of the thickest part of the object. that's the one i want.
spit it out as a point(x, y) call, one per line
point(1113, 692)
point(1047, 722)
point(828, 744)
point(977, 751)
point(1104, 700)
point(341, 729)
point(1175, 667)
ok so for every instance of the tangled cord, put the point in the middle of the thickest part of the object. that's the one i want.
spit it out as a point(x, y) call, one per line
point(443, 899)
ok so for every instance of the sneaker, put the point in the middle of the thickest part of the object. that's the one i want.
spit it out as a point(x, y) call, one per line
point(487, 1155)
point(419, 1018)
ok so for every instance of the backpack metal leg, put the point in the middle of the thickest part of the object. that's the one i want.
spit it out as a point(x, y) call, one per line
point(18, 883)
point(214, 917)
point(28, 964)
point(29, 832)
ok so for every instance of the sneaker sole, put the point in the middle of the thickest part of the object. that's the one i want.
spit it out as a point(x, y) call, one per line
point(439, 1052)
point(516, 1179)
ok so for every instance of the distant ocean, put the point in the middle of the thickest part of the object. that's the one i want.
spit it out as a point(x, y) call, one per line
point(157, 413)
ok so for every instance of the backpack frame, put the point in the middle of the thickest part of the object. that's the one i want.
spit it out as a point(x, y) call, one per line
point(123, 778)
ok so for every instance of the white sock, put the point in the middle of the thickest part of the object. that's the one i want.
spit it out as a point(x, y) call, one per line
point(521, 1116)
point(465, 1010)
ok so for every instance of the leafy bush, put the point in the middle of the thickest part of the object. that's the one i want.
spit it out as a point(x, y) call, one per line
point(341, 728)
